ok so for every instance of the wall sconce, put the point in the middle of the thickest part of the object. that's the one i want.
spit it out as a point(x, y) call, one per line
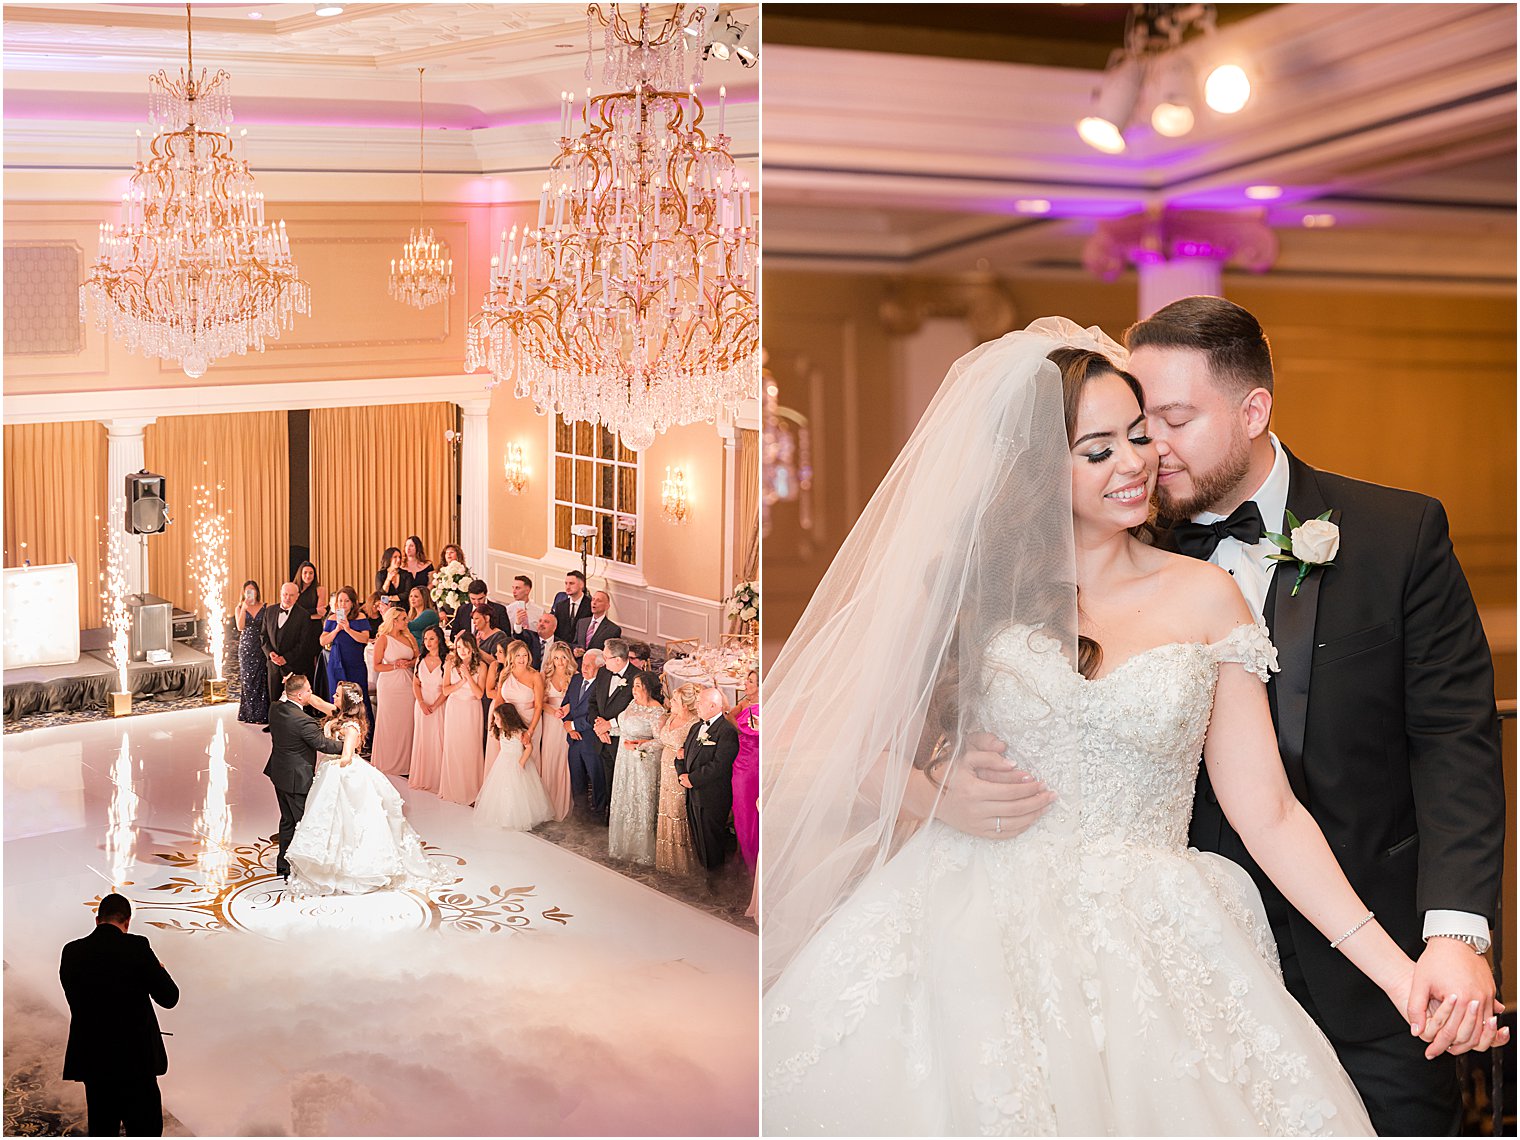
point(514, 470)
point(453, 438)
point(673, 497)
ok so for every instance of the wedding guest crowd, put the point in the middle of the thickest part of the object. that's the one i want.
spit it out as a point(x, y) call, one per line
point(571, 713)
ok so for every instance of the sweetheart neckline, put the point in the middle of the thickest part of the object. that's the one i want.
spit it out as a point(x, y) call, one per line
point(1133, 657)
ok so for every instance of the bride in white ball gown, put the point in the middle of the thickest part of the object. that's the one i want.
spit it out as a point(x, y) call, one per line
point(926, 973)
point(353, 836)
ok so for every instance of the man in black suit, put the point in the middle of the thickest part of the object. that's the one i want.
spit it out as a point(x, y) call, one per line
point(295, 740)
point(705, 766)
point(463, 620)
point(610, 694)
point(585, 749)
point(111, 979)
point(1384, 707)
point(571, 606)
point(540, 639)
point(285, 633)
point(595, 631)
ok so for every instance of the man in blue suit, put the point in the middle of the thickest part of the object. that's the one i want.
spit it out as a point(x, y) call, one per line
point(586, 774)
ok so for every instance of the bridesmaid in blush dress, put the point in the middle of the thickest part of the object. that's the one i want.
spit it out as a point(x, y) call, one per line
point(427, 719)
point(463, 753)
point(746, 776)
point(522, 685)
point(553, 744)
point(497, 673)
point(395, 653)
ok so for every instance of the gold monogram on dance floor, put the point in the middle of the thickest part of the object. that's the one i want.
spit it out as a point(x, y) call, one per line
point(246, 895)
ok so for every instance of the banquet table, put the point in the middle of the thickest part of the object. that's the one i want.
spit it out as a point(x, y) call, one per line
point(709, 667)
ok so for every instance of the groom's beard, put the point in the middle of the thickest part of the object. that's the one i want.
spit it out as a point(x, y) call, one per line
point(1209, 487)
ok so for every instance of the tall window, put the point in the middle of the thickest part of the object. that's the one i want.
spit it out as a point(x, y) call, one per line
point(596, 483)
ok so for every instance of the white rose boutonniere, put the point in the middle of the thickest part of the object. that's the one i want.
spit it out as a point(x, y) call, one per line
point(1310, 544)
point(617, 683)
point(702, 737)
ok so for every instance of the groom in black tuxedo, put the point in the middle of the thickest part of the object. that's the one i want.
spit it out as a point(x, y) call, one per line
point(1384, 706)
point(295, 739)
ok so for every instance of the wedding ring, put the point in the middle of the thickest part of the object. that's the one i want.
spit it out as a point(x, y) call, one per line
point(997, 825)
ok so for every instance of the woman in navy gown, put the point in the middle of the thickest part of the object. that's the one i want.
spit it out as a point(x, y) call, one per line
point(344, 635)
point(253, 677)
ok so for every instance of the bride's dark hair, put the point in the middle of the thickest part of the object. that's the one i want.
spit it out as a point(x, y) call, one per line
point(348, 708)
point(969, 640)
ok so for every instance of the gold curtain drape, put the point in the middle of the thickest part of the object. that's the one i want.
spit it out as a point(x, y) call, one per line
point(244, 460)
point(379, 474)
point(55, 502)
point(747, 504)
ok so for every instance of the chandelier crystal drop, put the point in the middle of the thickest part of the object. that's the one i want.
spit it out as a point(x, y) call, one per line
point(193, 272)
point(424, 274)
point(631, 300)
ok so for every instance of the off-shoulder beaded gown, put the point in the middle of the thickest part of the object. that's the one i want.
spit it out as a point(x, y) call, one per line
point(1092, 976)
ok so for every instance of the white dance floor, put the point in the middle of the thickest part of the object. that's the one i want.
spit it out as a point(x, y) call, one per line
point(540, 994)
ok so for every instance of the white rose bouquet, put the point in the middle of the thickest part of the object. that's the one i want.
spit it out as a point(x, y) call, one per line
point(450, 587)
point(744, 602)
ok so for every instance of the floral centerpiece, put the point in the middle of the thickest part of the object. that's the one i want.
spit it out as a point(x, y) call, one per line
point(450, 587)
point(744, 604)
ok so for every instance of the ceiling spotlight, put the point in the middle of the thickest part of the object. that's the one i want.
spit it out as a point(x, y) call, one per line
point(1173, 114)
point(726, 38)
point(1113, 105)
point(1319, 221)
point(330, 10)
point(699, 27)
point(255, 15)
point(1263, 193)
point(1032, 206)
point(748, 49)
point(1227, 89)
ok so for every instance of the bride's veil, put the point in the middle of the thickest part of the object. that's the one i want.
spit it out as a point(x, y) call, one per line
point(969, 533)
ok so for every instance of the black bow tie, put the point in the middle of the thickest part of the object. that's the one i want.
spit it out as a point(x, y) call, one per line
point(1198, 540)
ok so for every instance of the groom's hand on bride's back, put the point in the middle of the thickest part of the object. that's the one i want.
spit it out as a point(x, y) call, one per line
point(986, 794)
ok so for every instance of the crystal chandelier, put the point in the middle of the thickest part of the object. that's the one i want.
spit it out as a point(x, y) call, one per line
point(193, 272)
point(631, 301)
point(424, 275)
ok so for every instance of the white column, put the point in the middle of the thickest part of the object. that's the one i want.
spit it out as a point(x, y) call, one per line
point(1162, 282)
point(475, 484)
point(124, 456)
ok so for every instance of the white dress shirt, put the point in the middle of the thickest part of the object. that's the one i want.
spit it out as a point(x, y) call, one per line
point(1253, 574)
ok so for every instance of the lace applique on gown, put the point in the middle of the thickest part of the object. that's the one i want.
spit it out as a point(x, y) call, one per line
point(1093, 976)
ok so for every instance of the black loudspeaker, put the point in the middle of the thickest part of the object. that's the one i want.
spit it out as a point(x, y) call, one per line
point(147, 510)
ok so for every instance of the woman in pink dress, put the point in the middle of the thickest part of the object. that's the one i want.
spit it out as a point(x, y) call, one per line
point(747, 772)
point(395, 654)
point(496, 670)
point(522, 685)
point(464, 756)
point(427, 720)
point(554, 745)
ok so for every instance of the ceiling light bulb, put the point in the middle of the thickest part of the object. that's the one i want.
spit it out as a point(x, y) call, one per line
point(1227, 89)
point(1172, 119)
point(1176, 92)
point(1319, 221)
point(1100, 134)
point(1034, 205)
point(1263, 193)
point(255, 15)
point(330, 10)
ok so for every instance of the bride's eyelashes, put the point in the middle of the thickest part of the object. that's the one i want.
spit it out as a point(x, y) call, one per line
point(1100, 456)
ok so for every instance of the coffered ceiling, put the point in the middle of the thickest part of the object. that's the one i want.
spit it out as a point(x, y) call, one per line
point(321, 95)
point(1396, 120)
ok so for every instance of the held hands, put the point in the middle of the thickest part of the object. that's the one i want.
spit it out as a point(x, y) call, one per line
point(987, 795)
point(1450, 1000)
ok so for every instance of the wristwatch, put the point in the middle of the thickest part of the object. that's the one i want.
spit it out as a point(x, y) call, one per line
point(1479, 945)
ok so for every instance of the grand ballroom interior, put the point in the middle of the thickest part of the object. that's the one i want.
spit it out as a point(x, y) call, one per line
point(927, 190)
point(407, 255)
